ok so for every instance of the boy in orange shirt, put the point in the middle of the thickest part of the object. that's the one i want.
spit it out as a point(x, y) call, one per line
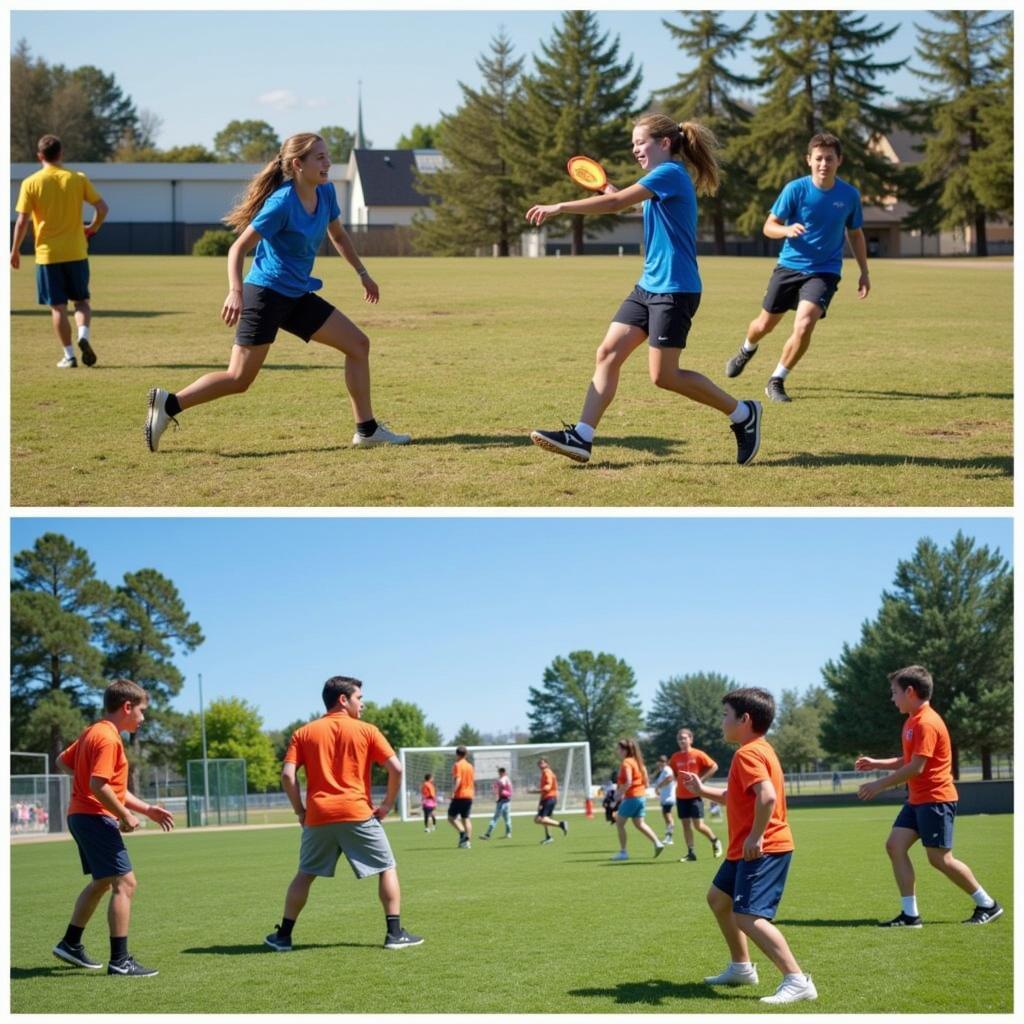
point(100, 810)
point(746, 892)
point(548, 799)
point(338, 752)
point(689, 807)
point(930, 811)
point(464, 788)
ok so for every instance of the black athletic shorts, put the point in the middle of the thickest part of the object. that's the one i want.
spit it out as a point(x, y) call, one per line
point(460, 807)
point(664, 317)
point(265, 311)
point(787, 288)
point(546, 807)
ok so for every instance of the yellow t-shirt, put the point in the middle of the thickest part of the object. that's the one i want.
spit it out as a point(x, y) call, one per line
point(54, 197)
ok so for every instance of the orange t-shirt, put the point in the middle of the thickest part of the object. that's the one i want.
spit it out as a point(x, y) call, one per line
point(754, 762)
point(693, 760)
point(548, 784)
point(465, 780)
point(100, 752)
point(639, 784)
point(338, 752)
point(925, 734)
point(428, 793)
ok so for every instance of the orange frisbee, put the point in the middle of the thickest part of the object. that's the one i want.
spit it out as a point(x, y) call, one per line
point(587, 172)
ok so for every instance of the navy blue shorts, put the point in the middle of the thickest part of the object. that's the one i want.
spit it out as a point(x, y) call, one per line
point(690, 807)
point(265, 312)
point(755, 885)
point(932, 822)
point(664, 318)
point(460, 808)
point(546, 807)
point(100, 845)
point(787, 288)
point(59, 283)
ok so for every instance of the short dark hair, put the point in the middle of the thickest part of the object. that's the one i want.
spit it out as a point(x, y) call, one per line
point(916, 677)
point(121, 690)
point(500, 770)
point(337, 687)
point(428, 776)
point(825, 140)
point(753, 701)
point(50, 148)
point(460, 751)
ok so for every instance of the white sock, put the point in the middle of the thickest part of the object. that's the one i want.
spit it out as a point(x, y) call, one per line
point(741, 413)
point(799, 978)
point(83, 333)
point(69, 352)
point(743, 965)
point(780, 371)
point(982, 898)
point(586, 431)
point(748, 346)
point(909, 905)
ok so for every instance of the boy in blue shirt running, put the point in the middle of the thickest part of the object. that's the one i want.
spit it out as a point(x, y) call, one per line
point(815, 215)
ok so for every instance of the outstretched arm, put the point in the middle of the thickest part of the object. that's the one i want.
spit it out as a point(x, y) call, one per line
point(613, 201)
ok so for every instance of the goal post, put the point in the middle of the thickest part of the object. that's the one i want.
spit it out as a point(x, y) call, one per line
point(569, 761)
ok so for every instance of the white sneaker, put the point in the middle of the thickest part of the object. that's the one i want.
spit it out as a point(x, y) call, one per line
point(793, 990)
point(734, 975)
point(380, 436)
point(157, 418)
point(67, 363)
point(621, 855)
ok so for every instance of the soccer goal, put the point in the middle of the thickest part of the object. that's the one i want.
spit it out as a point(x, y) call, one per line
point(216, 791)
point(569, 761)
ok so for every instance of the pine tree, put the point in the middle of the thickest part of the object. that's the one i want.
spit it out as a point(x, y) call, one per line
point(706, 93)
point(579, 99)
point(475, 200)
point(991, 167)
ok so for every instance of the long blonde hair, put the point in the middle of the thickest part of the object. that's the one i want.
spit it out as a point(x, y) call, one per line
point(694, 142)
point(632, 749)
point(271, 178)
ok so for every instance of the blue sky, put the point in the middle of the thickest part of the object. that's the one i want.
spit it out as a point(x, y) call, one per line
point(462, 615)
point(299, 70)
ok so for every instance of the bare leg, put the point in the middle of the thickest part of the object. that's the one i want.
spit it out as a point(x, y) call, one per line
point(119, 912)
point(807, 315)
point(619, 341)
point(644, 829)
point(340, 333)
point(245, 363)
point(83, 313)
point(390, 891)
point(298, 893)
point(721, 906)
point(769, 940)
point(88, 900)
point(620, 825)
point(955, 870)
point(764, 323)
point(898, 846)
point(61, 324)
point(663, 364)
point(457, 825)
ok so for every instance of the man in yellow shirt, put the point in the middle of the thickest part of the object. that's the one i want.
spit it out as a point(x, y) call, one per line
point(53, 198)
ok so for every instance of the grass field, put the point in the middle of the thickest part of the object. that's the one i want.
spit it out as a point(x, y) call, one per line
point(904, 399)
point(512, 926)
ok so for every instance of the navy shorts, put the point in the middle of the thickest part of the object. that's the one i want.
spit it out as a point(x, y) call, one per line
point(546, 807)
point(665, 318)
point(59, 283)
point(460, 807)
point(690, 807)
point(932, 822)
point(755, 885)
point(787, 288)
point(100, 845)
point(265, 312)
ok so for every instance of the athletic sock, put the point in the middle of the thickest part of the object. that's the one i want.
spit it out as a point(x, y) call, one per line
point(118, 947)
point(585, 431)
point(909, 905)
point(741, 413)
point(172, 406)
point(982, 898)
point(83, 333)
point(747, 347)
point(780, 371)
point(394, 924)
point(366, 429)
point(690, 849)
point(69, 352)
point(284, 929)
point(73, 936)
point(743, 965)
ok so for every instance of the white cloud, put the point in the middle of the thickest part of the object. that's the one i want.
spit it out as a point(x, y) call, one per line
point(279, 99)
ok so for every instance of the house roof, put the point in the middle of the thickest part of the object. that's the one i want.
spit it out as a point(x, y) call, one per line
point(903, 143)
point(388, 177)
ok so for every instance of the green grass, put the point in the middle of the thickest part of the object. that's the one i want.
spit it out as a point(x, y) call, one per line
point(903, 400)
point(511, 926)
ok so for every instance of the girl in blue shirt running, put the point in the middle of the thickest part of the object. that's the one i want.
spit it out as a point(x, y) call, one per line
point(661, 308)
point(287, 210)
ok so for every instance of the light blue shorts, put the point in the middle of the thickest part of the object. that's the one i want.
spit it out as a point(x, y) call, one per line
point(364, 843)
point(632, 807)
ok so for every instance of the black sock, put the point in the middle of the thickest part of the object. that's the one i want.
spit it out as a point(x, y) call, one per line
point(284, 929)
point(172, 407)
point(394, 924)
point(73, 936)
point(366, 429)
point(547, 834)
point(118, 947)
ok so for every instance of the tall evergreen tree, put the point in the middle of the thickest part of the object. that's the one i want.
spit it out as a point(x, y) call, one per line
point(962, 64)
point(475, 200)
point(579, 99)
point(707, 92)
point(991, 167)
point(693, 701)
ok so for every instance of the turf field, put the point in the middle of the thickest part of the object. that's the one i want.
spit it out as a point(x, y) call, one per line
point(904, 399)
point(512, 926)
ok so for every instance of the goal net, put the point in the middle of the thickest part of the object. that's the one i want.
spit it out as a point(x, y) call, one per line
point(216, 791)
point(569, 761)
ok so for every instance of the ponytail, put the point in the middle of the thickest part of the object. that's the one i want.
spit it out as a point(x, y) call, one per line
point(692, 140)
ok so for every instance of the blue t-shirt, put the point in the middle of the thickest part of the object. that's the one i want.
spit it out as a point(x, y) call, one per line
point(290, 240)
point(826, 215)
point(670, 231)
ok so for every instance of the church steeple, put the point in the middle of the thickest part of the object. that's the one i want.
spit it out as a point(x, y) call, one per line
point(360, 139)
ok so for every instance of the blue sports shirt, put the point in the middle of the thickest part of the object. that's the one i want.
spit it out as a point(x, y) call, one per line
point(290, 240)
point(670, 231)
point(826, 215)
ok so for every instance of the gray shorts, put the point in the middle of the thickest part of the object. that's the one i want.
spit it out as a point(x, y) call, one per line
point(364, 843)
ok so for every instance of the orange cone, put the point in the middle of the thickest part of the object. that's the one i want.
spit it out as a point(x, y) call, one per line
point(589, 808)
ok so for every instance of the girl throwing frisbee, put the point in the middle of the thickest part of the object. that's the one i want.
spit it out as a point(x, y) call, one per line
point(661, 307)
point(285, 213)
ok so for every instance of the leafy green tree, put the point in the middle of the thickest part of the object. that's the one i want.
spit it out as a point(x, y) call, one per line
point(234, 728)
point(467, 736)
point(247, 142)
point(404, 724)
point(579, 99)
point(190, 154)
point(950, 610)
point(423, 136)
point(476, 200)
point(281, 738)
point(693, 701)
point(339, 142)
point(586, 696)
point(707, 91)
point(796, 732)
point(962, 64)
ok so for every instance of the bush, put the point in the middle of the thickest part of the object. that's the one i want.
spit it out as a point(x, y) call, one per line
point(214, 243)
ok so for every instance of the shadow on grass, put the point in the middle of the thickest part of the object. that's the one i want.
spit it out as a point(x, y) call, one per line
point(266, 368)
point(659, 446)
point(1002, 465)
point(21, 973)
point(277, 452)
point(947, 396)
point(107, 314)
point(828, 922)
point(653, 992)
point(250, 948)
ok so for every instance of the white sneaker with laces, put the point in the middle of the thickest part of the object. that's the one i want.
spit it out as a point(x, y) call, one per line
point(67, 363)
point(380, 436)
point(734, 974)
point(793, 990)
point(156, 418)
